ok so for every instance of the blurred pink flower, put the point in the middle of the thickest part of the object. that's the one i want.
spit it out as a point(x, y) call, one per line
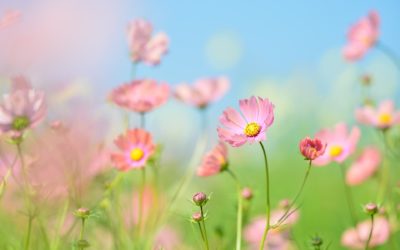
point(203, 91)
point(136, 146)
point(140, 95)
point(167, 238)
point(144, 47)
point(356, 238)
point(214, 161)
point(385, 116)
point(340, 143)
point(9, 18)
point(258, 115)
point(364, 167)
point(21, 109)
point(311, 148)
point(278, 238)
point(362, 36)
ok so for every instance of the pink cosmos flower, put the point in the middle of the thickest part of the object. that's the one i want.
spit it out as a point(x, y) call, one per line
point(340, 143)
point(278, 238)
point(362, 36)
point(144, 47)
point(214, 161)
point(203, 91)
point(364, 167)
point(311, 148)
point(356, 238)
point(136, 146)
point(9, 18)
point(383, 117)
point(21, 109)
point(258, 115)
point(140, 95)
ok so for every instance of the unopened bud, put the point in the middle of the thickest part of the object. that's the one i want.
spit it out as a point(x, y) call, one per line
point(247, 193)
point(316, 241)
point(197, 217)
point(200, 199)
point(371, 208)
point(82, 213)
point(81, 244)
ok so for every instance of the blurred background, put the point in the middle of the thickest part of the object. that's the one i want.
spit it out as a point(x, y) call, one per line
point(288, 51)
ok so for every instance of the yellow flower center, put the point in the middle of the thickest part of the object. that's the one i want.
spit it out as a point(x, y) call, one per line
point(385, 118)
point(137, 154)
point(335, 151)
point(252, 129)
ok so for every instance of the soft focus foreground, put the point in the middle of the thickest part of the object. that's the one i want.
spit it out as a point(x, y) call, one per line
point(176, 163)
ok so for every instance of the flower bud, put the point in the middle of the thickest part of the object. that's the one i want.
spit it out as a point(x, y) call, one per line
point(82, 213)
point(200, 199)
point(366, 80)
point(371, 208)
point(311, 148)
point(247, 193)
point(284, 204)
point(197, 217)
point(316, 241)
point(81, 244)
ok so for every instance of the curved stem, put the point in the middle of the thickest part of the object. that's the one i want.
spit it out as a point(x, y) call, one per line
point(28, 234)
point(267, 198)
point(349, 197)
point(370, 232)
point(389, 53)
point(204, 226)
point(239, 211)
point(285, 215)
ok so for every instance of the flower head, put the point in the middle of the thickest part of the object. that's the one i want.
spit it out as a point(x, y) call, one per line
point(200, 199)
point(21, 109)
point(364, 167)
point(340, 143)
point(140, 95)
point(362, 36)
point(136, 147)
point(214, 161)
point(203, 91)
point(385, 116)
point(143, 46)
point(356, 238)
point(311, 148)
point(258, 115)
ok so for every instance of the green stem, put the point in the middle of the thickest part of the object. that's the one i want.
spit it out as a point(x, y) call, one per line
point(201, 232)
point(204, 226)
point(370, 232)
point(140, 214)
point(239, 211)
point(285, 215)
point(82, 230)
point(349, 197)
point(28, 234)
point(267, 198)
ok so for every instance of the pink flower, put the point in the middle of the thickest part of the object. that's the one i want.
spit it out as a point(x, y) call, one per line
point(9, 18)
point(340, 143)
point(136, 146)
point(140, 95)
point(383, 117)
point(362, 36)
point(167, 238)
point(203, 91)
point(143, 46)
point(214, 161)
point(258, 115)
point(364, 167)
point(21, 109)
point(311, 148)
point(356, 238)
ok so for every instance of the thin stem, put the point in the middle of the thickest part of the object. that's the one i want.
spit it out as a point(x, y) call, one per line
point(204, 226)
point(28, 233)
point(141, 201)
point(82, 230)
point(267, 198)
point(284, 216)
point(370, 232)
point(389, 53)
point(201, 232)
point(239, 211)
point(349, 197)
point(142, 120)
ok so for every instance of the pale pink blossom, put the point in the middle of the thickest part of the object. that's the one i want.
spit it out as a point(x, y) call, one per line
point(258, 115)
point(356, 238)
point(143, 46)
point(9, 18)
point(383, 117)
point(141, 95)
point(136, 146)
point(340, 143)
point(364, 167)
point(167, 238)
point(203, 91)
point(22, 109)
point(214, 161)
point(311, 149)
point(362, 36)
